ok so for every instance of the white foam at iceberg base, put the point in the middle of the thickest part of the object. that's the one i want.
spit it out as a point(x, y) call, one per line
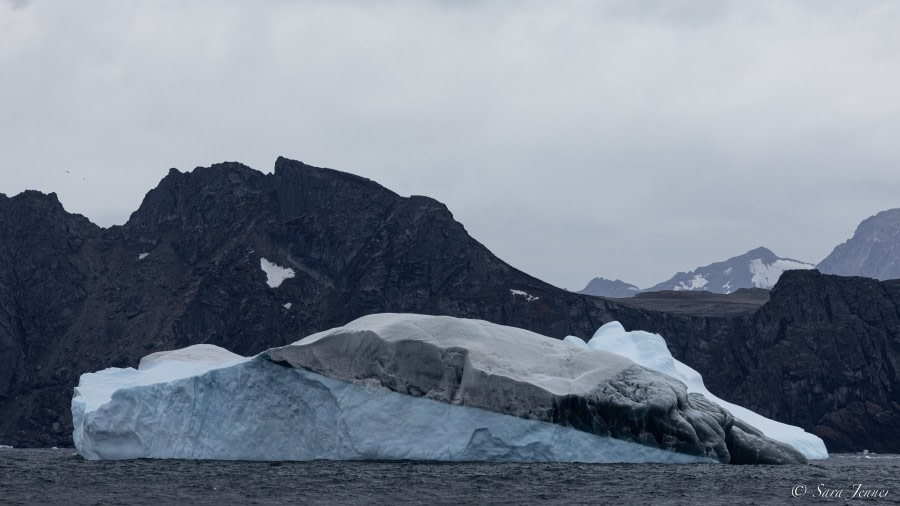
point(650, 350)
point(203, 402)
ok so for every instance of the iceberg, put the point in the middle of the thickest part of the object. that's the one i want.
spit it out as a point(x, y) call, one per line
point(650, 350)
point(403, 386)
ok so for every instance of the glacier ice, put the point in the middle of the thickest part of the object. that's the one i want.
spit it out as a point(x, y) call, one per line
point(407, 387)
point(650, 350)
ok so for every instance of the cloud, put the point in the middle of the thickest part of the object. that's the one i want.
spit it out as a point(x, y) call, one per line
point(18, 4)
point(574, 139)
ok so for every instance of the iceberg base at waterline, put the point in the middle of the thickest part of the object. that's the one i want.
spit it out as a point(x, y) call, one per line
point(407, 387)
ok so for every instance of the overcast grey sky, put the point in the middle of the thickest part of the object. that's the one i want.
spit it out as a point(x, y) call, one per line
point(627, 139)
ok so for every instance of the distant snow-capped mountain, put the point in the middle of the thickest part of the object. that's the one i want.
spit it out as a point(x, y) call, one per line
point(603, 287)
point(872, 252)
point(758, 268)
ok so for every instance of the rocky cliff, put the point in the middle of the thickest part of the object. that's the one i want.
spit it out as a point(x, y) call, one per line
point(187, 268)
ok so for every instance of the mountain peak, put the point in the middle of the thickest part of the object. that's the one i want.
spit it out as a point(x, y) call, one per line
point(757, 268)
point(37, 196)
point(296, 171)
point(873, 251)
point(762, 250)
point(602, 287)
point(33, 202)
point(888, 214)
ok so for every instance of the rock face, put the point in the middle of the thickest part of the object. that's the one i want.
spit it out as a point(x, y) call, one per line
point(436, 387)
point(45, 280)
point(758, 268)
point(187, 268)
point(844, 337)
point(873, 251)
point(602, 287)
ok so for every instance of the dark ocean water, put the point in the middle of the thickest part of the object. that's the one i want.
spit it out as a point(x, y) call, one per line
point(59, 477)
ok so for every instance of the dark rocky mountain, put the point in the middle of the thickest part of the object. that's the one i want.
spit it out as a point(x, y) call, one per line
point(758, 268)
point(873, 251)
point(602, 287)
point(187, 268)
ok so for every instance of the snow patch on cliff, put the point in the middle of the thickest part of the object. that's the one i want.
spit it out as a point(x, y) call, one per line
point(766, 275)
point(275, 274)
point(697, 283)
point(520, 293)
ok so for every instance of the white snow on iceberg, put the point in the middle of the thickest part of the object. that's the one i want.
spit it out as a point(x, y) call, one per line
point(650, 350)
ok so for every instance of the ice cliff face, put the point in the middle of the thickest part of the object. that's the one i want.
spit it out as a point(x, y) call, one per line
point(650, 350)
point(408, 387)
